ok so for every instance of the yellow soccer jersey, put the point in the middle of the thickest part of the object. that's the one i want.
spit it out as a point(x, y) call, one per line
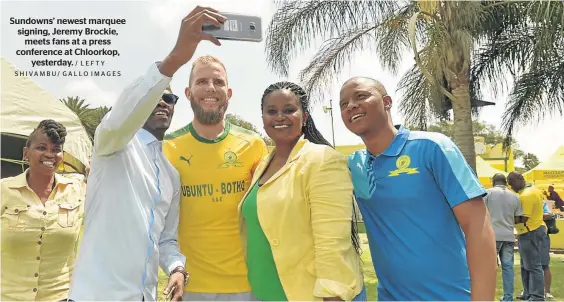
point(215, 175)
point(531, 202)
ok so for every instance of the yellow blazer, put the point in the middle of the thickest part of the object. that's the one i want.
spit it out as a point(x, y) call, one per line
point(305, 211)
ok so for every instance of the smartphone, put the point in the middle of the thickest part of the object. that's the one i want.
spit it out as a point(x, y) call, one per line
point(237, 27)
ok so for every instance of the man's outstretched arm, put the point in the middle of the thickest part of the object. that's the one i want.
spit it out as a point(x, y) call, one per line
point(141, 97)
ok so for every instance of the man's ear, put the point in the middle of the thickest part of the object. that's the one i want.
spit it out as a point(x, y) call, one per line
point(229, 93)
point(187, 92)
point(25, 151)
point(387, 102)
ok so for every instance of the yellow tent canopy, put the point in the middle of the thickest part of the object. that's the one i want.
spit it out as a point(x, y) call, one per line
point(549, 173)
point(485, 172)
point(23, 105)
point(552, 168)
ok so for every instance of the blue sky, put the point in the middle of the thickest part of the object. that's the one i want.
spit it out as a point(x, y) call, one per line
point(151, 31)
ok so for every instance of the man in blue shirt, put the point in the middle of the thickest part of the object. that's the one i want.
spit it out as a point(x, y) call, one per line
point(428, 229)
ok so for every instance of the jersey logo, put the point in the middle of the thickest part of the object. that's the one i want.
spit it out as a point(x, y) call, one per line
point(402, 164)
point(186, 159)
point(230, 160)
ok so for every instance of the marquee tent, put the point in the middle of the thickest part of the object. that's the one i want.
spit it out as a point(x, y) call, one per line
point(485, 172)
point(23, 105)
point(552, 168)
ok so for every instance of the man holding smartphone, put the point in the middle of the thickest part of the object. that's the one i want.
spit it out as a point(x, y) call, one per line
point(132, 204)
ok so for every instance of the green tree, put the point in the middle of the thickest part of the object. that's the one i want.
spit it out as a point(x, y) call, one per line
point(239, 121)
point(89, 117)
point(445, 37)
point(530, 161)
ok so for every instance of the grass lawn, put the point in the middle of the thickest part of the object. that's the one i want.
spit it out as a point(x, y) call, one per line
point(556, 265)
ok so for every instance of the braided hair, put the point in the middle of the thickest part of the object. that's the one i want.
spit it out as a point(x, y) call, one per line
point(55, 131)
point(312, 134)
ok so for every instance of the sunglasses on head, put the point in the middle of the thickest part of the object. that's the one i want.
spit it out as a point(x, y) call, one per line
point(170, 98)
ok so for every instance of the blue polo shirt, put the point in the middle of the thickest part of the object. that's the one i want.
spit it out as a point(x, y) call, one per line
point(406, 196)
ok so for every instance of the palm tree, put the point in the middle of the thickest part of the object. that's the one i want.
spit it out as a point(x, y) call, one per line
point(90, 118)
point(444, 36)
point(532, 50)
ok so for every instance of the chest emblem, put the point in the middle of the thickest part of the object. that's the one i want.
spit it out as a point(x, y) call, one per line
point(187, 159)
point(402, 164)
point(230, 160)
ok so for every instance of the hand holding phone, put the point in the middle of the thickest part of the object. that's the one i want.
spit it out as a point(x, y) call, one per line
point(170, 294)
point(236, 27)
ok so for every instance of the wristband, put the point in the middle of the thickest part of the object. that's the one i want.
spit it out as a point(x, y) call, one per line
point(180, 269)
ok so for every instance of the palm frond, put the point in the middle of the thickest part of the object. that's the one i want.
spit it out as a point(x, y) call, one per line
point(413, 105)
point(331, 57)
point(508, 53)
point(296, 24)
point(536, 94)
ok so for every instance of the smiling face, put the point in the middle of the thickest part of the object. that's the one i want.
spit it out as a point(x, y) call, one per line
point(160, 118)
point(364, 107)
point(43, 155)
point(283, 116)
point(208, 92)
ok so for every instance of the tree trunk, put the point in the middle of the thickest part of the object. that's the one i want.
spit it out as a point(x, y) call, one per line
point(462, 113)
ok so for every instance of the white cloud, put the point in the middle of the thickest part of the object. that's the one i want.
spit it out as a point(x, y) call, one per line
point(90, 91)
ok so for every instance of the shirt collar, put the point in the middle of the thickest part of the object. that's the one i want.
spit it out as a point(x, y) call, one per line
point(20, 181)
point(397, 144)
point(147, 138)
point(528, 185)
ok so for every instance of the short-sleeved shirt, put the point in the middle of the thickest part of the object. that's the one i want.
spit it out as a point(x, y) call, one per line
point(39, 241)
point(503, 205)
point(532, 204)
point(406, 196)
point(214, 176)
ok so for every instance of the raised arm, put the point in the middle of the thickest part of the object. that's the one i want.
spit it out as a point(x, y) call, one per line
point(139, 99)
point(130, 112)
point(331, 201)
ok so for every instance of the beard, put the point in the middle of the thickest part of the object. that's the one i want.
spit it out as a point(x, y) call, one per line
point(212, 117)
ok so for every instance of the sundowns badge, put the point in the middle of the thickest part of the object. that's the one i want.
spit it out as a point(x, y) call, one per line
point(402, 164)
point(230, 160)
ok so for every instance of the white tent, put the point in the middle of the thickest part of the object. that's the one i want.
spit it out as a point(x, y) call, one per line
point(23, 105)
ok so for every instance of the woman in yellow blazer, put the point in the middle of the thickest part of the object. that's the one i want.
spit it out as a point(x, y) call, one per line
point(41, 218)
point(295, 220)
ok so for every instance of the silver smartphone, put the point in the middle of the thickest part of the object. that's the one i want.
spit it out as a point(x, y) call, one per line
point(237, 27)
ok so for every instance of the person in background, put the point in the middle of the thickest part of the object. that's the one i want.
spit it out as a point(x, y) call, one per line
point(42, 213)
point(545, 252)
point(216, 161)
point(133, 191)
point(530, 236)
point(545, 255)
point(295, 220)
point(553, 195)
point(504, 208)
point(444, 250)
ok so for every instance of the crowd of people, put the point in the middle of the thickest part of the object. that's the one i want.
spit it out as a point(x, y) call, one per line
point(529, 214)
point(227, 220)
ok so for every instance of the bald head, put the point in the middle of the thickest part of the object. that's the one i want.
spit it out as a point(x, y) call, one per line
point(374, 84)
point(499, 180)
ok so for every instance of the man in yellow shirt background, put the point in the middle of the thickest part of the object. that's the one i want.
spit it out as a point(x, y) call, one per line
point(216, 161)
point(530, 236)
